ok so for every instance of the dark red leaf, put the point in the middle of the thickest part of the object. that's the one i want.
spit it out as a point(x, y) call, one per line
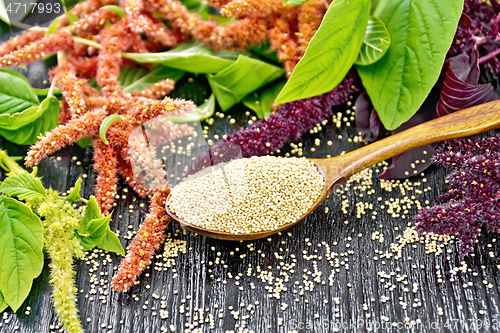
point(368, 123)
point(460, 89)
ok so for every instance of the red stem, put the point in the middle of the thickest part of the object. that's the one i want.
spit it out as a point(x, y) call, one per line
point(489, 56)
point(495, 25)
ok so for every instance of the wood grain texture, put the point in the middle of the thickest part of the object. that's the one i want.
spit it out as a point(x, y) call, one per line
point(210, 287)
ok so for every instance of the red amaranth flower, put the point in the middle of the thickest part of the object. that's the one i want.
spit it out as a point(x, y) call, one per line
point(105, 166)
point(309, 19)
point(64, 135)
point(147, 240)
point(52, 43)
point(241, 34)
point(113, 40)
point(71, 88)
point(245, 8)
point(283, 40)
point(82, 9)
point(156, 31)
point(15, 43)
point(157, 90)
point(94, 22)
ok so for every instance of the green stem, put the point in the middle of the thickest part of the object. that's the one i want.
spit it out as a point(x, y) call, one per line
point(87, 42)
point(9, 165)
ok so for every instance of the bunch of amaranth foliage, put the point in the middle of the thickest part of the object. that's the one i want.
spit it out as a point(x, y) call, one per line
point(94, 47)
point(472, 200)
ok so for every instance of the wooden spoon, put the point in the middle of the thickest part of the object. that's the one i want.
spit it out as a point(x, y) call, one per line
point(474, 120)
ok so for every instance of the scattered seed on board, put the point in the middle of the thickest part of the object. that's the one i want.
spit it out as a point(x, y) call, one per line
point(248, 195)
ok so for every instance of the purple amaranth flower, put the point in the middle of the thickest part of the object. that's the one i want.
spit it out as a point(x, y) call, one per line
point(472, 199)
point(286, 125)
point(478, 29)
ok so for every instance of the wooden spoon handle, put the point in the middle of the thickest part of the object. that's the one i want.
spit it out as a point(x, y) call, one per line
point(470, 121)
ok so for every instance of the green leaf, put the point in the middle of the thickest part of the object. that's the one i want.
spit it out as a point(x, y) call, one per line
point(85, 142)
point(190, 56)
point(16, 94)
point(21, 256)
point(52, 27)
point(137, 78)
point(24, 186)
point(191, 4)
point(43, 93)
point(74, 195)
point(95, 230)
point(21, 119)
point(264, 50)
point(114, 8)
point(331, 52)
point(3, 303)
point(243, 77)
point(111, 243)
point(295, 2)
point(48, 118)
point(375, 44)
point(105, 125)
point(260, 101)
point(4, 17)
point(71, 17)
point(203, 10)
point(421, 33)
point(204, 111)
point(92, 212)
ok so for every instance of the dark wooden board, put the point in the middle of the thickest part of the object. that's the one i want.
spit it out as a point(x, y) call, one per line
point(214, 291)
point(194, 283)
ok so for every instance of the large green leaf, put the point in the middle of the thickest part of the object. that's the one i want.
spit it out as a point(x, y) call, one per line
point(375, 44)
point(16, 94)
point(243, 77)
point(138, 78)
point(421, 33)
point(260, 101)
point(331, 52)
point(48, 117)
point(190, 56)
point(24, 186)
point(21, 256)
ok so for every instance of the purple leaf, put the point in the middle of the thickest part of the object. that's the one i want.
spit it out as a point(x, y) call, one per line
point(368, 123)
point(460, 88)
point(415, 161)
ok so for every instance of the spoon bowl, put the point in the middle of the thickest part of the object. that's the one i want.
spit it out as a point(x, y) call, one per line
point(336, 170)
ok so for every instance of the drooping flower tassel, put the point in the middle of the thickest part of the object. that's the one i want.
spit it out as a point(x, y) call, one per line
point(105, 166)
point(52, 43)
point(61, 244)
point(148, 239)
point(64, 135)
